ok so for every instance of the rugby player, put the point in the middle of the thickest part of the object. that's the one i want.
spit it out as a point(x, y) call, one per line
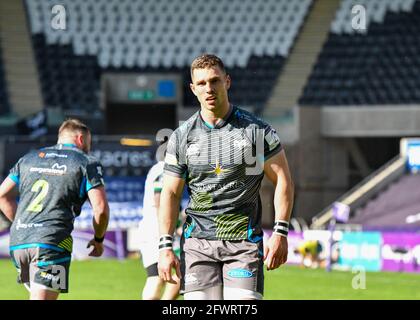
point(222, 153)
point(52, 184)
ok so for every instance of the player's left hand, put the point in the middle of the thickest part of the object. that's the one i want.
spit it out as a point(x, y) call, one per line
point(98, 248)
point(275, 252)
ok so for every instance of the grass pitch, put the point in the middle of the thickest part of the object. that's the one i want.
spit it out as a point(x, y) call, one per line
point(113, 280)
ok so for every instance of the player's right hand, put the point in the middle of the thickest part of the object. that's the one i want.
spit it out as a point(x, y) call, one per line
point(98, 248)
point(167, 261)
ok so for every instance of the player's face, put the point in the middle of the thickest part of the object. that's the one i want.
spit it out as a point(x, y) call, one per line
point(210, 86)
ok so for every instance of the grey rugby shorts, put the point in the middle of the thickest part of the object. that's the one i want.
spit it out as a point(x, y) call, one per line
point(233, 264)
point(46, 267)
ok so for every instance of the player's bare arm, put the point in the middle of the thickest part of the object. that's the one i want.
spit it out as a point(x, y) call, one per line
point(277, 171)
point(8, 193)
point(168, 215)
point(100, 207)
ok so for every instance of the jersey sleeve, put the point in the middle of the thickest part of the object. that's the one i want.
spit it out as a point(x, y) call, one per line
point(14, 173)
point(94, 175)
point(175, 164)
point(272, 144)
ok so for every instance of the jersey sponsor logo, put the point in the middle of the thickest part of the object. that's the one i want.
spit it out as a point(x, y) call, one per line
point(55, 170)
point(240, 273)
point(209, 187)
point(21, 225)
point(51, 155)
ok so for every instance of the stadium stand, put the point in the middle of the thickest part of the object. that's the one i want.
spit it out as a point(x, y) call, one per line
point(68, 81)
point(393, 206)
point(4, 101)
point(378, 66)
point(252, 37)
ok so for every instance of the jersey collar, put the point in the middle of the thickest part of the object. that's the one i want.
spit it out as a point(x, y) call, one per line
point(221, 122)
point(66, 145)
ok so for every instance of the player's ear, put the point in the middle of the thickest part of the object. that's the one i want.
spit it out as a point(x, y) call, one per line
point(228, 82)
point(80, 140)
point(192, 87)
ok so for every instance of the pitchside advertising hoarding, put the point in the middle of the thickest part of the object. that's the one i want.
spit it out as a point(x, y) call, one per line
point(361, 249)
point(373, 251)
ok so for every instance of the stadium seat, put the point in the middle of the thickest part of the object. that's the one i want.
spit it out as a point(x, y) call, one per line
point(386, 54)
point(134, 36)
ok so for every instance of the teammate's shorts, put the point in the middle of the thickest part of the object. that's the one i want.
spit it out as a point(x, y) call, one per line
point(149, 250)
point(209, 263)
point(46, 267)
point(152, 270)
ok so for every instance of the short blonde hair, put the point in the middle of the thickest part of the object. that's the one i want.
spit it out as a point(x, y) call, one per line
point(74, 126)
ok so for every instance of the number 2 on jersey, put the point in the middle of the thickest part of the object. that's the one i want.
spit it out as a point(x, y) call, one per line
point(36, 205)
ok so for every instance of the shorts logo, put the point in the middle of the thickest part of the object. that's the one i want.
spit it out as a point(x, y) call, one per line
point(240, 273)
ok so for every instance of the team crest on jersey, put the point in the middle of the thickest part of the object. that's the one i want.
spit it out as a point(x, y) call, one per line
point(193, 150)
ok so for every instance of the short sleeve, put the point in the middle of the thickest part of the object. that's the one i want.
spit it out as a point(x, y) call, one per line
point(14, 173)
point(272, 143)
point(94, 175)
point(174, 165)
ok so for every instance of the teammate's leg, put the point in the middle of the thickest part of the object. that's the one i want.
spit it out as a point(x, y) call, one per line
point(40, 292)
point(153, 287)
point(171, 291)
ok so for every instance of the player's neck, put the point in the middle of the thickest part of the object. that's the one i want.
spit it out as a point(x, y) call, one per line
point(212, 117)
point(67, 142)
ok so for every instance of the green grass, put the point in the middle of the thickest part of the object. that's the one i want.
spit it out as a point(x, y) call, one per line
point(111, 279)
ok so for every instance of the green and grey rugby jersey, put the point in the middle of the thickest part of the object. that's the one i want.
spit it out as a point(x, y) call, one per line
point(53, 184)
point(223, 168)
